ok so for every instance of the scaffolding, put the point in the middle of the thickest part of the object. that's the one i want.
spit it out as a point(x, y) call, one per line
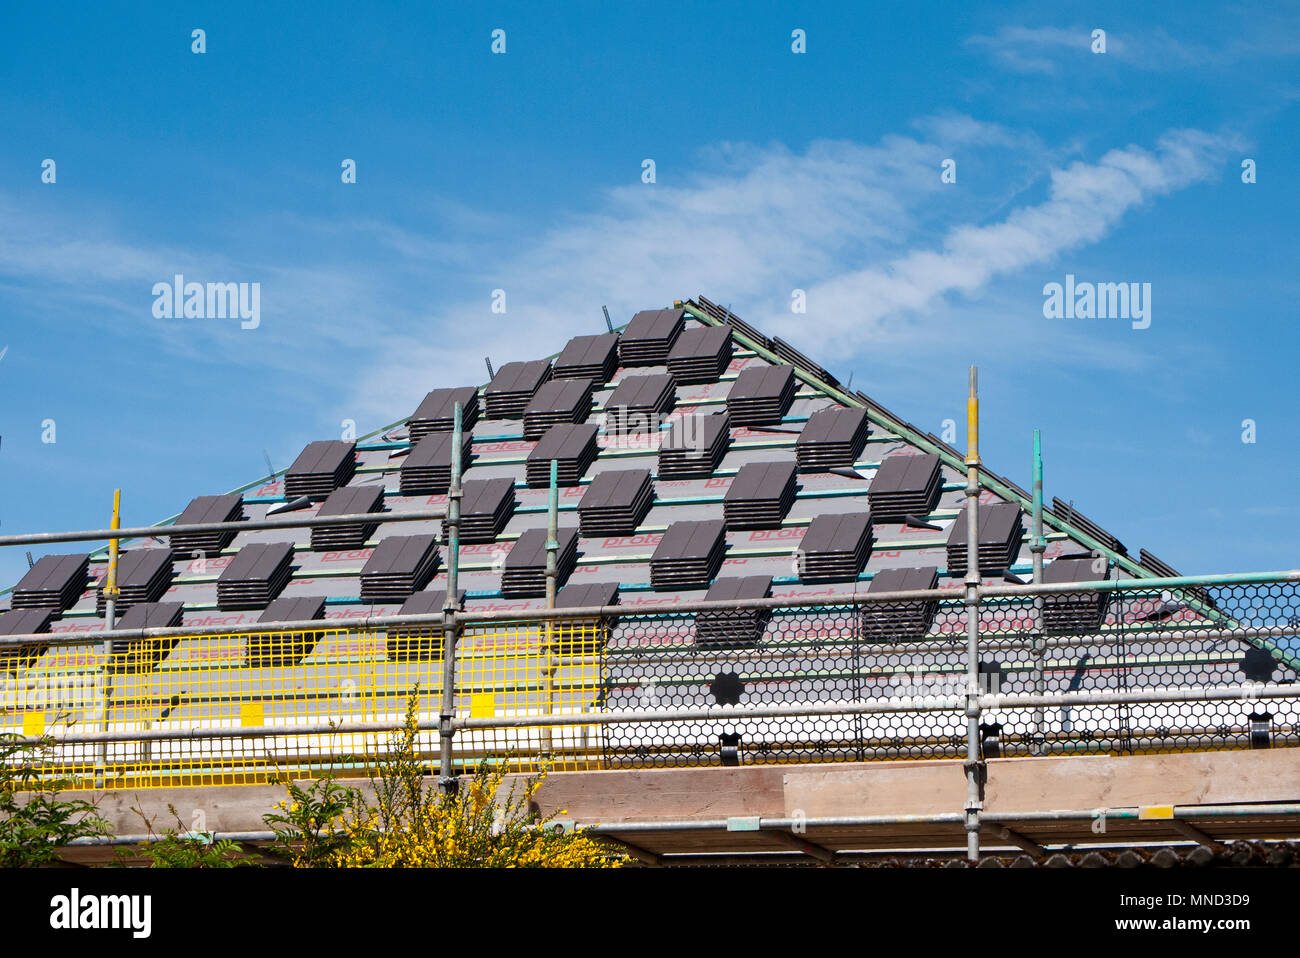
point(1170, 664)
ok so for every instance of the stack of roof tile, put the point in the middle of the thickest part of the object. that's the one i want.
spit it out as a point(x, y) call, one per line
point(832, 438)
point(143, 575)
point(835, 548)
point(202, 510)
point(759, 496)
point(900, 621)
point(1067, 512)
point(418, 643)
point(876, 407)
point(615, 503)
point(143, 655)
point(796, 358)
point(731, 319)
point(578, 636)
point(650, 336)
point(1074, 611)
point(558, 401)
point(23, 622)
point(54, 582)
point(903, 486)
point(694, 447)
point(426, 471)
point(436, 413)
point(276, 649)
point(761, 395)
point(1163, 569)
point(525, 567)
point(734, 627)
point(688, 556)
point(999, 539)
point(255, 576)
point(573, 446)
point(399, 566)
point(486, 506)
point(513, 387)
point(588, 357)
point(347, 501)
point(700, 355)
point(321, 468)
point(638, 403)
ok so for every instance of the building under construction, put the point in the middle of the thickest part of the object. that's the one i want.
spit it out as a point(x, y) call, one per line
point(742, 612)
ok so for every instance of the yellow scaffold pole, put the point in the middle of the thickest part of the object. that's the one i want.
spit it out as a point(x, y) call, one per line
point(110, 619)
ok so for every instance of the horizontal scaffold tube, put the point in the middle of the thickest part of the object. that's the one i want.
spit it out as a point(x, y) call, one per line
point(938, 703)
point(942, 818)
point(788, 824)
point(625, 612)
point(243, 525)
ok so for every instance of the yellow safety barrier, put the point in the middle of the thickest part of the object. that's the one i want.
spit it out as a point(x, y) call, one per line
point(328, 680)
point(527, 670)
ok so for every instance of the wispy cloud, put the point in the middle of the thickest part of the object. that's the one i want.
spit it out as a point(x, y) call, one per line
point(849, 224)
point(865, 230)
point(1085, 202)
point(1054, 49)
point(1033, 49)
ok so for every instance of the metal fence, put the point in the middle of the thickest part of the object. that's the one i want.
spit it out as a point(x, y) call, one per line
point(1115, 667)
point(241, 708)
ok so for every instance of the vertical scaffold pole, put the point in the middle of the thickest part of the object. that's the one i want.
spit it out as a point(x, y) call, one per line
point(450, 608)
point(110, 620)
point(552, 573)
point(974, 765)
point(1038, 545)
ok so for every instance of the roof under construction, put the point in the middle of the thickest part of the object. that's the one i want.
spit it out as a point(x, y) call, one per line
point(766, 383)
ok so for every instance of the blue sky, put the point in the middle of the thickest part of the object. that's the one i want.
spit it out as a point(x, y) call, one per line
point(775, 171)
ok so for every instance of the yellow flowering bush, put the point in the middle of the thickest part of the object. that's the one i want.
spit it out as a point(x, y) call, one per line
point(409, 824)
